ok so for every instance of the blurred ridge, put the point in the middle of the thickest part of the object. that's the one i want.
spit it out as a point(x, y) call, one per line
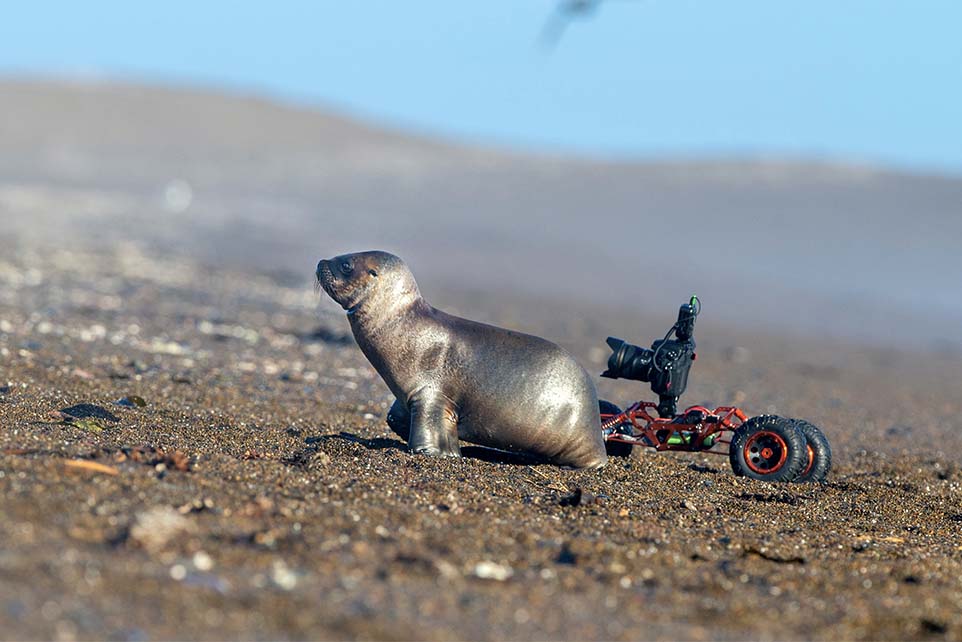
point(827, 248)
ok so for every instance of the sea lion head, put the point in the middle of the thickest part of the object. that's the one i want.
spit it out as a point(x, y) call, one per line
point(367, 279)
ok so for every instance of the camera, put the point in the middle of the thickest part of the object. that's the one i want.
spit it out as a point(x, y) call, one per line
point(665, 365)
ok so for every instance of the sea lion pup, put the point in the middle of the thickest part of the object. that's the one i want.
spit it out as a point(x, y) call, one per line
point(459, 379)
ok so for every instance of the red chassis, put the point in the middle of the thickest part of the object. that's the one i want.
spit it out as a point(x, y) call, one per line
point(697, 429)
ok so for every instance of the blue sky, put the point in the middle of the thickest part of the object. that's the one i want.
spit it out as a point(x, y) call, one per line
point(870, 81)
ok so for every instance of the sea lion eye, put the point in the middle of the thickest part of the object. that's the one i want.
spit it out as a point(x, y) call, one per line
point(372, 272)
point(346, 267)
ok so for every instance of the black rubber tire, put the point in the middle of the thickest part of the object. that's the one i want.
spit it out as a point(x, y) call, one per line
point(819, 453)
point(615, 448)
point(776, 435)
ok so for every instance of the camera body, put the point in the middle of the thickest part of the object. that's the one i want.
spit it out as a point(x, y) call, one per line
point(665, 365)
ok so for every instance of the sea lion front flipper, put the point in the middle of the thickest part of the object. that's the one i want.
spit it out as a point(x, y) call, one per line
point(434, 425)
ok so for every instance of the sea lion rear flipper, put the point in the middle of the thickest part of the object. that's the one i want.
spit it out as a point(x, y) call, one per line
point(399, 419)
point(434, 425)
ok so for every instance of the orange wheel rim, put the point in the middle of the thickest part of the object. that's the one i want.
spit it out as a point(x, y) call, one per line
point(811, 460)
point(765, 452)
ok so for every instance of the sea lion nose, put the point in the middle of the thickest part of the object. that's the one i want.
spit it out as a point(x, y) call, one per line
point(320, 267)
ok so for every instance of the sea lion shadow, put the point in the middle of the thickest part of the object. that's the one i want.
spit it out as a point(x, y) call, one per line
point(481, 453)
point(494, 456)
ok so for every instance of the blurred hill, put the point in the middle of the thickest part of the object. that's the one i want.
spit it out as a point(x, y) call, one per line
point(829, 249)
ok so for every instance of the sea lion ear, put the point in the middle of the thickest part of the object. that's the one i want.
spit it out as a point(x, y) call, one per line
point(372, 272)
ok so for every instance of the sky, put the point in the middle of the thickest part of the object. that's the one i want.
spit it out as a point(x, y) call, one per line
point(867, 81)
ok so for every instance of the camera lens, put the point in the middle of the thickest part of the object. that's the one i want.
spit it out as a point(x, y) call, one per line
point(628, 361)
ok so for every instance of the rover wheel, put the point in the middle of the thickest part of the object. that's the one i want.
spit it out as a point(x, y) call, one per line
point(768, 448)
point(819, 452)
point(615, 448)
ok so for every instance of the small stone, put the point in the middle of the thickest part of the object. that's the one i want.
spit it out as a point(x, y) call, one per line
point(178, 572)
point(196, 505)
point(689, 505)
point(283, 576)
point(155, 527)
point(360, 549)
point(177, 460)
point(579, 497)
point(488, 570)
point(567, 556)
point(447, 570)
point(202, 561)
point(90, 425)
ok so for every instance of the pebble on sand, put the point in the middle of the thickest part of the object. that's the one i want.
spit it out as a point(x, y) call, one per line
point(155, 527)
point(488, 570)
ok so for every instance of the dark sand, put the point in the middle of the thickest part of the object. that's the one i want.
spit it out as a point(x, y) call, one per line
point(299, 515)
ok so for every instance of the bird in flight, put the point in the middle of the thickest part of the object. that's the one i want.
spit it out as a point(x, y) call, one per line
point(566, 11)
